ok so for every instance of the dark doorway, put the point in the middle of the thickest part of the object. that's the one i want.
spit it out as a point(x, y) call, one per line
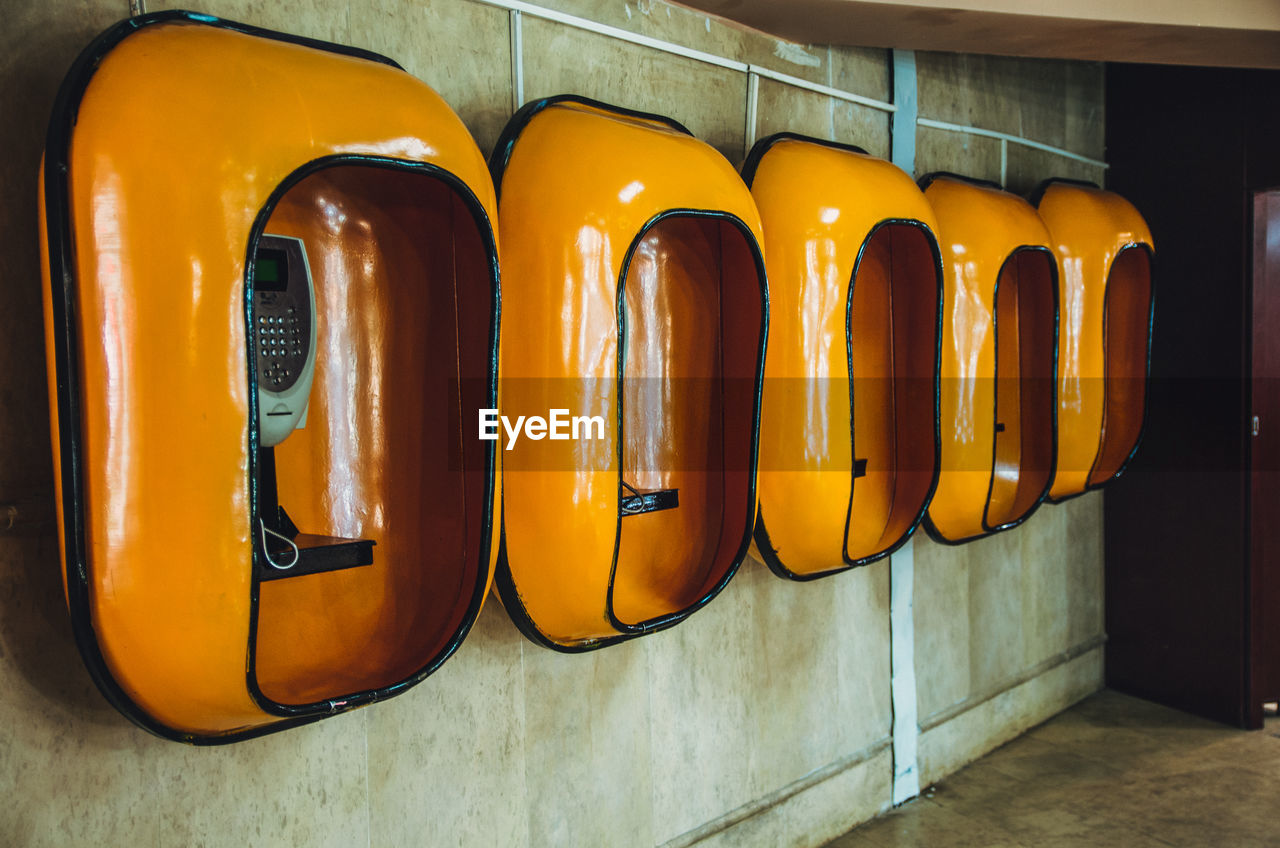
point(1265, 484)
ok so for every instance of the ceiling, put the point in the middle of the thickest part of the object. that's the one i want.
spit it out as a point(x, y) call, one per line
point(1229, 33)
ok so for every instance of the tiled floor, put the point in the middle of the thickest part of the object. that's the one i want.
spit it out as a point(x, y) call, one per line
point(1111, 771)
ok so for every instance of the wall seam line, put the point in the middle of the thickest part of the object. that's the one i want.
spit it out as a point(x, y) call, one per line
point(780, 796)
point(368, 800)
point(1010, 137)
point(972, 702)
point(524, 736)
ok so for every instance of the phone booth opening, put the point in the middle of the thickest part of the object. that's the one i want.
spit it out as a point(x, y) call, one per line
point(1025, 356)
point(685, 323)
point(402, 276)
point(1127, 319)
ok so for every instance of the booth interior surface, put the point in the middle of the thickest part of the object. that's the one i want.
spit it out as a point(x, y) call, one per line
point(403, 315)
point(699, 272)
point(764, 719)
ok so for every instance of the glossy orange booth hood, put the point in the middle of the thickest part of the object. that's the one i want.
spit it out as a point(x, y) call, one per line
point(178, 139)
point(1104, 250)
point(633, 291)
point(848, 433)
point(999, 346)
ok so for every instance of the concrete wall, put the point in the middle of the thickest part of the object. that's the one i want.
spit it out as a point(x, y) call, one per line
point(763, 720)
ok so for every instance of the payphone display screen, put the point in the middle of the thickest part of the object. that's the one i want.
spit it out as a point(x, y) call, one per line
point(271, 270)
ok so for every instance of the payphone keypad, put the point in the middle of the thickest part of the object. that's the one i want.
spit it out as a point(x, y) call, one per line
point(282, 317)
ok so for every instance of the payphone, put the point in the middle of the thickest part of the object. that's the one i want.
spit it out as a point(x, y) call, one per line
point(283, 346)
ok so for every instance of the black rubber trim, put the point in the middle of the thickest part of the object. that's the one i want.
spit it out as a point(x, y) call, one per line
point(1037, 194)
point(761, 147)
point(763, 543)
point(925, 181)
point(330, 706)
point(929, 526)
point(62, 275)
point(502, 149)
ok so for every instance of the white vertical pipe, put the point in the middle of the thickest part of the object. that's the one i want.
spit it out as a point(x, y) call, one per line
point(517, 61)
point(753, 102)
point(906, 111)
point(902, 628)
point(906, 725)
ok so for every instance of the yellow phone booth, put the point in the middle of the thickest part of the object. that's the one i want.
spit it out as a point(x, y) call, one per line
point(848, 432)
point(635, 303)
point(999, 359)
point(271, 304)
point(1104, 250)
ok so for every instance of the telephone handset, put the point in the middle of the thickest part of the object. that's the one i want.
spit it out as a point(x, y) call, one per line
point(283, 347)
point(284, 331)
